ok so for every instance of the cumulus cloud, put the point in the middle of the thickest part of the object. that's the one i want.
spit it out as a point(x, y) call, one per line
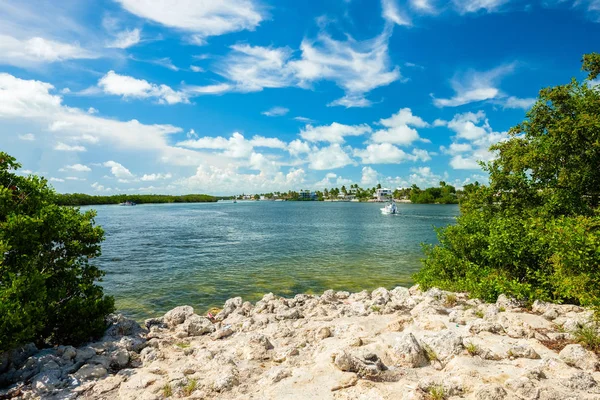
point(155, 177)
point(118, 170)
point(369, 176)
point(66, 147)
point(386, 153)
point(334, 133)
point(330, 157)
point(200, 18)
point(474, 136)
point(129, 87)
point(398, 128)
point(297, 147)
point(76, 167)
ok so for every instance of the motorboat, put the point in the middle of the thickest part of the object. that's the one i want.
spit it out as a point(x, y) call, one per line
point(127, 203)
point(390, 208)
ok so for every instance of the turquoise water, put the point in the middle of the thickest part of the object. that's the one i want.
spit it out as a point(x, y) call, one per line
point(159, 256)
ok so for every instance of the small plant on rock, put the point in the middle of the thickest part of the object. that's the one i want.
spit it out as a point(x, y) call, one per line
point(182, 345)
point(190, 387)
point(588, 336)
point(472, 349)
point(375, 308)
point(436, 392)
point(479, 314)
point(167, 390)
point(431, 354)
point(451, 300)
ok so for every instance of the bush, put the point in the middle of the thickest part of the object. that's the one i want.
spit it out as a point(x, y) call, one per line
point(47, 286)
point(534, 232)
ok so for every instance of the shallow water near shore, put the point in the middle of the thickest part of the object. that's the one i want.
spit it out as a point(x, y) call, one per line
point(159, 256)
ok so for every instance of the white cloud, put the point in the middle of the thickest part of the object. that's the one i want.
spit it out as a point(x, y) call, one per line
point(398, 128)
point(355, 66)
point(253, 68)
point(235, 147)
point(219, 88)
point(333, 133)
point(274, 143)
point(423, 6)
point(74, 178)
point(330, 157)
point(118, 170)
point(276, 111)
point(391, 12)
point(297, 147)
point(127, 86)
point(386, 153)
point(65, 147)
point(515, 102)
point(76, 167)
point(56, 180)
point(424, 177)
point(38, 50)
point(28, 137)
point(470, 6)
point(369, 176)
point(474, 128)
point(196, 68)
point(202, 18)
point(475, 86)
point(125, 39)
point(100, 188)
point(155, 177)
point(304, 119)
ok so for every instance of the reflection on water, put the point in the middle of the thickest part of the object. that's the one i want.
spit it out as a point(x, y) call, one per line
point(160, 256)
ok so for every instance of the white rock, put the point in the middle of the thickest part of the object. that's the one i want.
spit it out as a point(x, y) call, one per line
point(178, 315)
point(406, 351)
point(491, 392)
point(577, 356)
point(196, 325)
point(84, 354)
point(445, 344)
point(91, 371)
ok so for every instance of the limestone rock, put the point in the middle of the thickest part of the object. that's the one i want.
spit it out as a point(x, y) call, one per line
point(577, 356)
point(491, 392)
point(91, 371)
point(406, 351)
point(178, 315)
point(364, 364)
point(445, 344)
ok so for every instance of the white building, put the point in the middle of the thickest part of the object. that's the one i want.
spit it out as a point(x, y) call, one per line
point(383, 194)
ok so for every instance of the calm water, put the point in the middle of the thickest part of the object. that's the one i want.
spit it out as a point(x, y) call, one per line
point(160, 256)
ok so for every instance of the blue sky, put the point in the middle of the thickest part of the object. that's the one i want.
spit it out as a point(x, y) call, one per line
point(233, 96)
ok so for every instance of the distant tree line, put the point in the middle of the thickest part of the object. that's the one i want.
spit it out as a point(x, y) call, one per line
point(444, 194)
point(81, 199)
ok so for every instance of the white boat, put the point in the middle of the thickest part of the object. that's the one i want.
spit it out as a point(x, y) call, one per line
point(390, 208)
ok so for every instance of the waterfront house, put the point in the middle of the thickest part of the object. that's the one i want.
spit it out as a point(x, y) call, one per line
point(383, 194)
point(307, 195)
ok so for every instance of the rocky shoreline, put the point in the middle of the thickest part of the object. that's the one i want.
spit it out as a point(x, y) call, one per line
point(386, 344)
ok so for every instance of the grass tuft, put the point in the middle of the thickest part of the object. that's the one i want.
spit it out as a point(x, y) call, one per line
point(588, 337)
point(431, 354)
point(190, 387)
point(167, 390)
point(472, 349)
point(436, 393)
point(182, 345)
point(451, 300)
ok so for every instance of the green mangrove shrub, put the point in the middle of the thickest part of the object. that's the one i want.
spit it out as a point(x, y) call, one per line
point(48, 293)
point(534, 231)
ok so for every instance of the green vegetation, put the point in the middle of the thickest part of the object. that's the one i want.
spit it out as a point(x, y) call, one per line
point(189, 388)
point(472, 349)
point(47, 286)
point(445, 194)
point(167, 390)
point(534, 232)
point(80, 199)
point(436, 393)
point(588, 336)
